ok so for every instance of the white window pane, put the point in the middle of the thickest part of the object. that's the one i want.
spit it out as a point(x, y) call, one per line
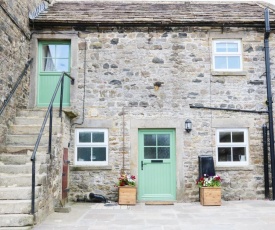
point(232, 147)
point(99, 154)
point(62, 65)
point(84, 137)
point(83, 154)
point(234, 62)
point(225, 137)
point(232, 47)
point(239, 154)
point(62, 51)
point(98, 137)
point(238, 137)
point(220, 47)
point(91, 147)
point(220, 63)
point(224, 154)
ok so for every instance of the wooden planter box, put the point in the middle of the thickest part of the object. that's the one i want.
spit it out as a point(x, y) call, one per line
point(210, 195)
point(127, 195)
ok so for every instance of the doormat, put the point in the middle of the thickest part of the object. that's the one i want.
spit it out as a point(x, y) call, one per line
point(159, 203)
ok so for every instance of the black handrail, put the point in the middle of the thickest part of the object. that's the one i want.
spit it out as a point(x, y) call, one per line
point(18, 81)
point(49, 112)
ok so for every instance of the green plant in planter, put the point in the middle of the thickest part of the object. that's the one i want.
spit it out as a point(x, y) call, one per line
point(125, 179)
point(209, 181)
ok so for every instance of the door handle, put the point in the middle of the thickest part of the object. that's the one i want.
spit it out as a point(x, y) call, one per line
point(141, 165)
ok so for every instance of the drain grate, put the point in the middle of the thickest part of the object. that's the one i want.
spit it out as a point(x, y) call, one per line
point(110, 204)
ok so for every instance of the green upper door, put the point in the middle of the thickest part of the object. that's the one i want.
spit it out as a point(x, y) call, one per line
point(157, 165)
point(54, 58)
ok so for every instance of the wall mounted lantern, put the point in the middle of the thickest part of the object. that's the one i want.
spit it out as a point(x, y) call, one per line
point(188, 126)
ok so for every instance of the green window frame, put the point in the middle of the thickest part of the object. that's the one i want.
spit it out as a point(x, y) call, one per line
point(55, 56)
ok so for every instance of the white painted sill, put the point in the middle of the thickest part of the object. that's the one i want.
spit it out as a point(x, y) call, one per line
point(234, 168)
point(90, 167)
point(228, 73)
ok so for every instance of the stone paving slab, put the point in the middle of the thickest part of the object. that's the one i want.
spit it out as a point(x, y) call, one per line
point(231, 215)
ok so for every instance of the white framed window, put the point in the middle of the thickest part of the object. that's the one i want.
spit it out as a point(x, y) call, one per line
point(91, 146)
point(232, 147)
point(227, 55)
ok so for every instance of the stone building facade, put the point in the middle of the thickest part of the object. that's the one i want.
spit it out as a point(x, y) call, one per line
point(121, 72)
point(133, 77)
point(137, 70)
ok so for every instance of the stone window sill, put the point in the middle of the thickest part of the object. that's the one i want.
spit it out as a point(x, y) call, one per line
point(223, 73)
point(234, 168)
point(90, 167)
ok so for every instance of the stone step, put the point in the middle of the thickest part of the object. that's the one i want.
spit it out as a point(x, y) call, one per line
point(23, 168)
point(15, 206)
point(20, 180)
point(27, 140)
point(32, 129)
point(21, 149)
point(16, 220)
point(34, 121)
point(36, 113)
point(16, 228)
point(23, 158)
point(18, 193)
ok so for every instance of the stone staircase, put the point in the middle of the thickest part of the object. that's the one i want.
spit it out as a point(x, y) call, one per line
point(16, 170)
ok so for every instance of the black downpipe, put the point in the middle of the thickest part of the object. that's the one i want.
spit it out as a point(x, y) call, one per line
point(269, 99)
point(266, 176)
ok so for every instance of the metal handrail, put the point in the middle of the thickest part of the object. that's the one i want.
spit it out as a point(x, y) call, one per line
point(18, 81)
point(49, 112)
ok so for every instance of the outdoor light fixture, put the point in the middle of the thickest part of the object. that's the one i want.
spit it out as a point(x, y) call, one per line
point(188, 125)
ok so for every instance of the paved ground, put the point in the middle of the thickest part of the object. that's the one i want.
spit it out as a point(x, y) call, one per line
point(231, 215)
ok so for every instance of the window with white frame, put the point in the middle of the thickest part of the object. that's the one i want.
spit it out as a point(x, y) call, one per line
point(227, 55)
point(232, 147)
point(91, 146)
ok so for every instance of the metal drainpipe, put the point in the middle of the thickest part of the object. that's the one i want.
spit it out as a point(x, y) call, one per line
point(269, 99)
point(266, 173)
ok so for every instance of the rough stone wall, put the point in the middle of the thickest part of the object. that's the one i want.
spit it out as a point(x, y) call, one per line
point(50, 195)
point(14, 53)
point(122, 67)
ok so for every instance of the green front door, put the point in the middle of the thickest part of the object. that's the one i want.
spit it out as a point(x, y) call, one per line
point(157, 167)
point(54, 58)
